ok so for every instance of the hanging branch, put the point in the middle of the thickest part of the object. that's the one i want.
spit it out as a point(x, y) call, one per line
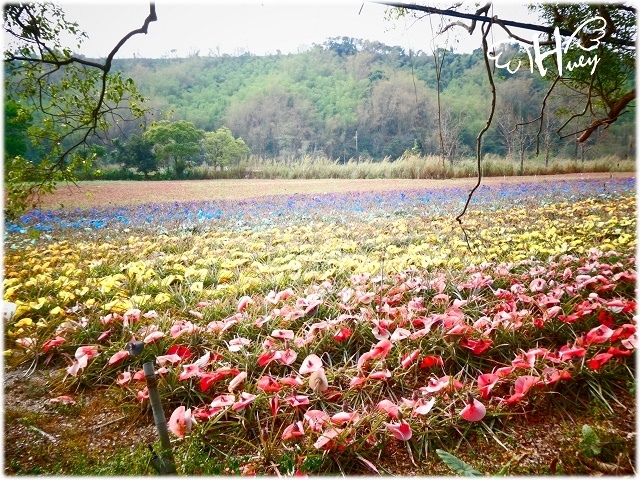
point(485, 48)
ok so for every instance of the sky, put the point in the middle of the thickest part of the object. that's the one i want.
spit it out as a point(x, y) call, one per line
point(263, 27)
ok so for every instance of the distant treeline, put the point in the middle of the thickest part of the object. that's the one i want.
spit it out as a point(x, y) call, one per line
point(311, 104)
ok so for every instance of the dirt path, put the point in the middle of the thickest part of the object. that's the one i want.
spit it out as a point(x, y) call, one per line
point(92, 194)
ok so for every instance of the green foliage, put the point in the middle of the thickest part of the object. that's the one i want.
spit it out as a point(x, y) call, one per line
point(16, 124)
point(457, 465)
point(220, 148)
point(590, 443)
point(70, 98)
point(177, 141)
point(138, 154)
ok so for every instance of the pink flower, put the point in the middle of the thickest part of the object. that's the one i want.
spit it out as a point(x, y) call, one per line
point(569, 353)
point(283, 334)
point(245, 400)
point(124, 378)
point(318, 381)
point(599, 334)
point(267, 357)
point(294, 430)
point(474, 411)
point(180, 350)
point(173, 358)
point(297, 400)
point(143, 394)
point(104, 335)
point(538, 285)
point(153, 336)
point(420, 407)
point(357, 381)
point(286, 357)
point(522, 385)
point(402, 430)
point(53, 343)
point(410, 358)
point(132, 316)
point(222, 401)
point(630, 342)
point(237, 380)
point(292, 381)
point(380, 375)
point(243, 302)
point(238, 343)
point(117, 357)
point(310, 364)
point(189, 371)
point(478, 347)
point(389, 407)
point(83, 355)
point(316, 419)
point(180, 422)
point(274, 405)
point(325, 441)
point(341, 418)
point(486, 382)
point(445, 382)
point(381, 349)
point(343, 335)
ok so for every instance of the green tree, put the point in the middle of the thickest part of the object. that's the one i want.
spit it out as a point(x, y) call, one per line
point(221, 148)
point(177, 141)
point(137, 153)
point(72, 98)
point(16, 123)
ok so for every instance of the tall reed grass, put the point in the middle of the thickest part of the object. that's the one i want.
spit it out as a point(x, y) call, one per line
point(406, 167)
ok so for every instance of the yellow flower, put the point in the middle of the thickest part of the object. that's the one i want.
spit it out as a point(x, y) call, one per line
point(56, 311)
point(162, 297)
point(25, 322)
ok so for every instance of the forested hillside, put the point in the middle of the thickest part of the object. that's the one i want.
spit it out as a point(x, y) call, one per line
point(312, 103)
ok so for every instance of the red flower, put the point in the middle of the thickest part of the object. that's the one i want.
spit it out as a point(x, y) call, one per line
point(431, 360)
point(605, 318)
point(623, 332)
point(567, 353)
point(180, 350)
point(343, 335)
point(268, 384)
point(600, 359)
point(478, 347)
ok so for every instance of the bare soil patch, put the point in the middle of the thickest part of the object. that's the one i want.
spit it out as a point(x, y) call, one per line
point(100, 193)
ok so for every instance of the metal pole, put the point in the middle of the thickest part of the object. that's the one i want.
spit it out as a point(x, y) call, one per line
point(166, 456)
point(357, 156)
